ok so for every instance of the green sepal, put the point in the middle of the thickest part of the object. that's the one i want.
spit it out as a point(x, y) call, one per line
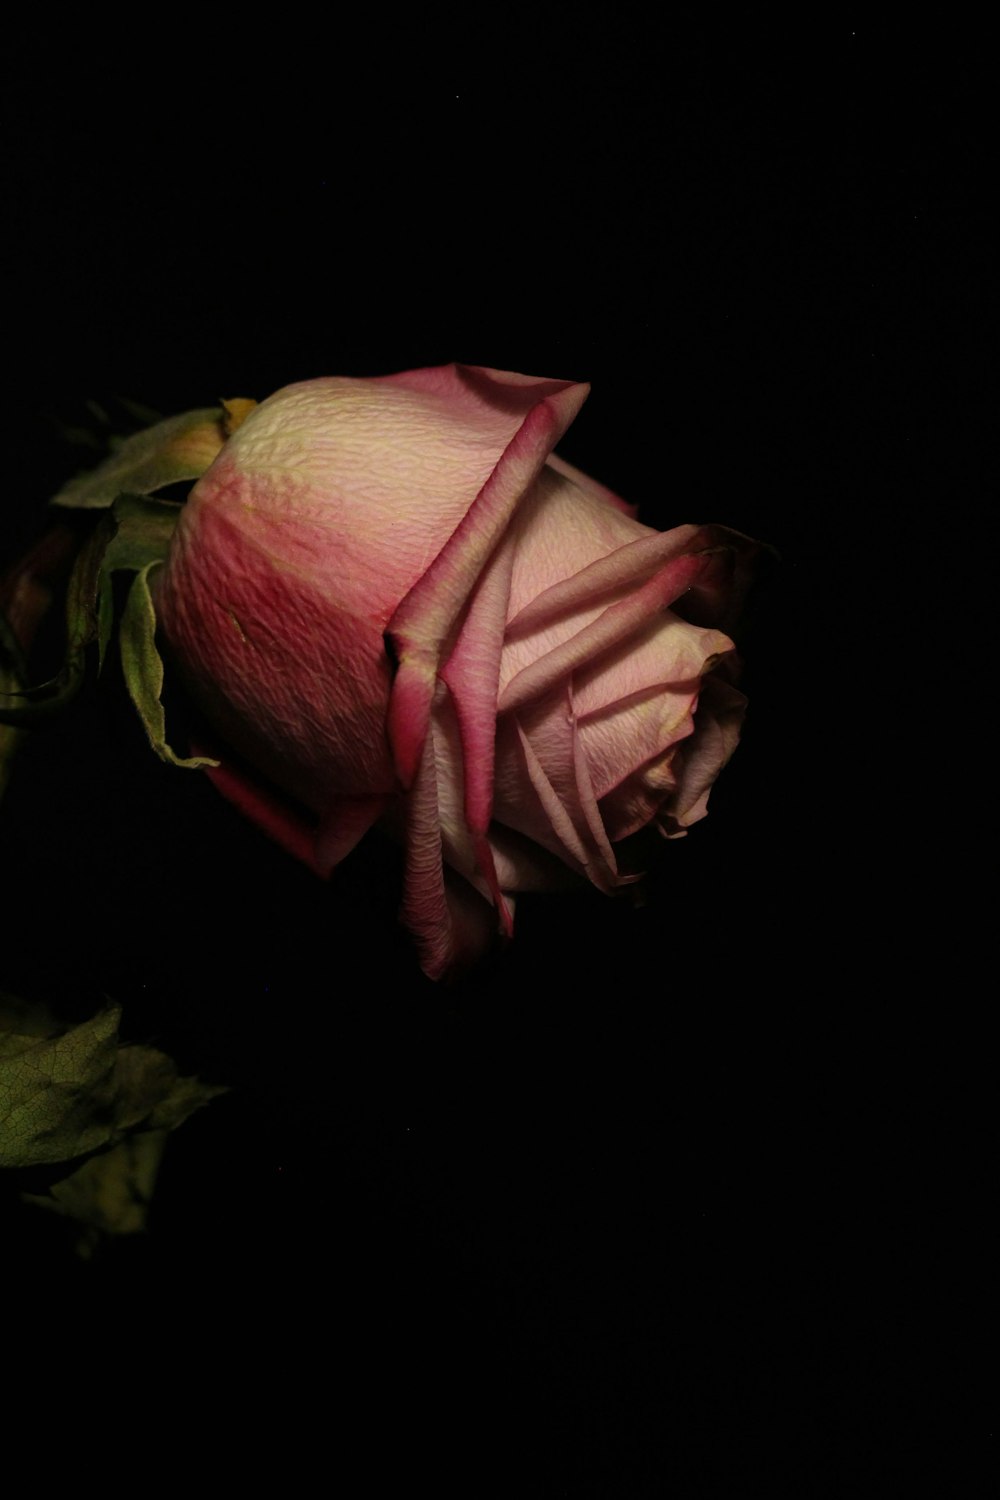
point(177, 449)
point(10, 684)
point(134, 533)
point(144, 529)
point(143, 668)
point(26, 705)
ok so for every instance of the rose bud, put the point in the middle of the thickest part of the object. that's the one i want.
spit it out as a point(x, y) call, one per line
point(395, 602)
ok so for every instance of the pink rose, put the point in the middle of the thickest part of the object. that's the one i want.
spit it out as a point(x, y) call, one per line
point(395, 602)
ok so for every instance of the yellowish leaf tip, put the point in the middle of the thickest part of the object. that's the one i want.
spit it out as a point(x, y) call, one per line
point(237, 409)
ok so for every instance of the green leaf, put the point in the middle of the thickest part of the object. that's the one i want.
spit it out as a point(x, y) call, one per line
point(143, 669)
point(57, 1091)
point(152, 1095)
point(10, 737)
point(174, 450)
point(145, 527)
point(74, 1092)
point(110, 1193)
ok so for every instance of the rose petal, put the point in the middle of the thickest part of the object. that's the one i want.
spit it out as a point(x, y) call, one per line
point(717, 730)
point(472, 674)
point(451, 925)
point(626, 567)
point(590, 486)
point(637, 700)
point(614, 625)
point(422, 621)
point(543, 788)
point(641, 796)
point(344, 823)
point(288, 827)
point(256, 647)
point(634, 731)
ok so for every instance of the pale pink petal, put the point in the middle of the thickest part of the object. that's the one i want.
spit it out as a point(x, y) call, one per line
point(615, 624)
point(590, 486)
point(717, 731)
point(626, 735)
point(543, 788)
point(639, 798)
point(555, 812)
point(666, 650)
point(563, 529)
point(626, 567)
point(522, 864)
point(584, 790)
point(658, 674)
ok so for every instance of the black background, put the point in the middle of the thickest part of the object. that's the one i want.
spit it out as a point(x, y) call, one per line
point(656, 1202)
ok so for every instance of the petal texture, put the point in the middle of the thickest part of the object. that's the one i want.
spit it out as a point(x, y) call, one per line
point(395, 601)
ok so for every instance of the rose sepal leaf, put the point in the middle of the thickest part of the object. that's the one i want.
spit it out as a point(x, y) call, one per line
point(143, 668)
point(144, 528)
point(26, 705)
point(134, 533)
point(170, 452)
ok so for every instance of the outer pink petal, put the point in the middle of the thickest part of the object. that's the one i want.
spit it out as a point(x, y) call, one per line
point(421, 623)
point(344, 823)
point(294, 683)
point(425, 905)
point(323, 469)
point(451, 925)
point(322, 846)
point(274, 816)
point(472, 674)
